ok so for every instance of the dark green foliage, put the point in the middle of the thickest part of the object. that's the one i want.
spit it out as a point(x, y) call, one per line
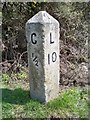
point(15, 15)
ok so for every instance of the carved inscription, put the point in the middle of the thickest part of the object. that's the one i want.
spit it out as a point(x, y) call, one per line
point(51, 38)
point(52, 57)
point(33, 40)
point(35, 59)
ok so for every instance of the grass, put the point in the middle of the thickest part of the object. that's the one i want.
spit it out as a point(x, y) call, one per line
point(16, 102)
point(73, 101)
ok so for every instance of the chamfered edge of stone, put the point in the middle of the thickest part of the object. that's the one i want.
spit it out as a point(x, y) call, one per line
point(42, 17)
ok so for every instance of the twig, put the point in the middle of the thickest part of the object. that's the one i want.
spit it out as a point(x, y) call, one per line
point(21, 57)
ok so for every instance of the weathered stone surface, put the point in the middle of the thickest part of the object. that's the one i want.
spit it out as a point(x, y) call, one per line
point(42, 32)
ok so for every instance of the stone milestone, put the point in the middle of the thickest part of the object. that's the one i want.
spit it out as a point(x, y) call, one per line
point(42, 33)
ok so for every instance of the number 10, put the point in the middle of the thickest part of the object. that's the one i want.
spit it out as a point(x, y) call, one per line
point(53, 57)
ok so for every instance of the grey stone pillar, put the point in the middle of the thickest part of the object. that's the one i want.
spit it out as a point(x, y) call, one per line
point(42, 33)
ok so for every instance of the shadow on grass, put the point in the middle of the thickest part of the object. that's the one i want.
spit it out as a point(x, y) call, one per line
point(17, 96)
